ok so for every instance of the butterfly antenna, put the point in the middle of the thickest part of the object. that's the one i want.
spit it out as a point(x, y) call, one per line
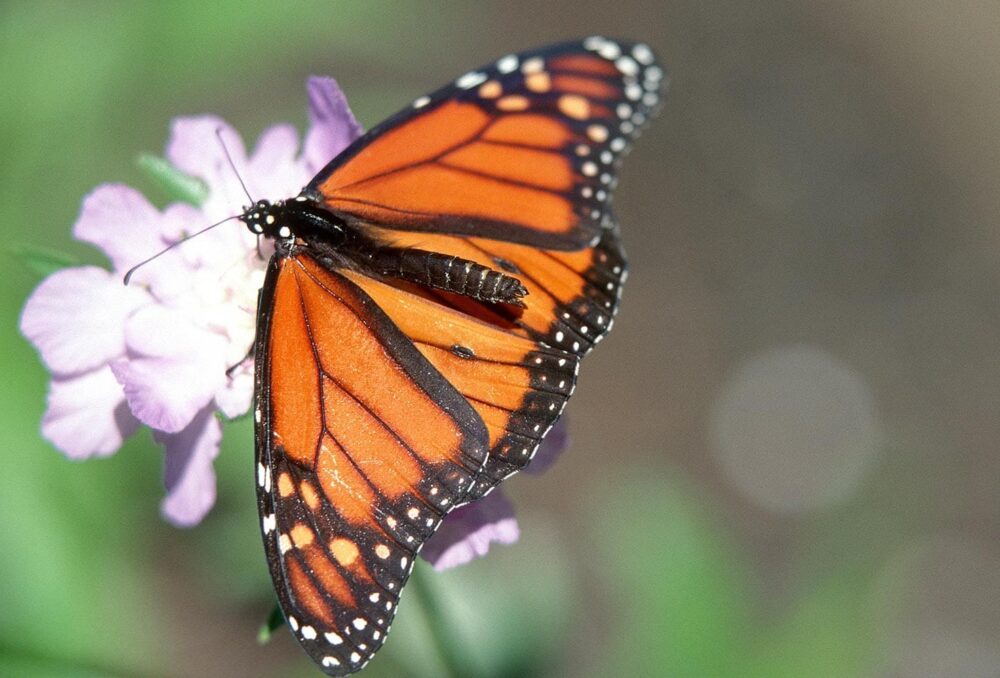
point(218, 133)
point(128, 275)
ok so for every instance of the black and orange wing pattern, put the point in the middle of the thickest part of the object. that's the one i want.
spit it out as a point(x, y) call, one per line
point(382, 404)
point(524, 150)
point(362, 448)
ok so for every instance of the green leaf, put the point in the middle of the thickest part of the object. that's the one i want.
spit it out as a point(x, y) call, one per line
point(42, 260)
point(175, 183)
point(827, 634)
point(275, 621)
point(679, 597)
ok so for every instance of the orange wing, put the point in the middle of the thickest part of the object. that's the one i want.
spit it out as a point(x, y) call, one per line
point(517, 385)
point(572, 295)
point(362, 448)
point(524, 150)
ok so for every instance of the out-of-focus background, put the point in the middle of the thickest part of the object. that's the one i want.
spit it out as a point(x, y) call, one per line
point(784, 458)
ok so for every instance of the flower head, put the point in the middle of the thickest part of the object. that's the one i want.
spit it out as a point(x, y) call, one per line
point(159, 351)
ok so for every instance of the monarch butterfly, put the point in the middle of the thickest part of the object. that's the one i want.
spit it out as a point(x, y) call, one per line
point(422, 320)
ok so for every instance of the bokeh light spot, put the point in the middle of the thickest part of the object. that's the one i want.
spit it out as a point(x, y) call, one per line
point(794, 429)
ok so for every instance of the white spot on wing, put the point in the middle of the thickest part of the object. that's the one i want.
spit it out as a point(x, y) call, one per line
point(609, 50)
point(471, 79)
point(533, 65)
point(627, 65)
point(507, 64)
point(643, 54)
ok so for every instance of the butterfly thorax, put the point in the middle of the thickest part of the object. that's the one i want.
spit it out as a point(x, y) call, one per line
point(300, 217)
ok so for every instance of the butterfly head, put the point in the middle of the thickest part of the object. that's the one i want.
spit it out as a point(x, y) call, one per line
point(263, 218)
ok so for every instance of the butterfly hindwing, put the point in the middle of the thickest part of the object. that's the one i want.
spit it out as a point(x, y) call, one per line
point(572, 295)
point(362, 448)
point(517, 385)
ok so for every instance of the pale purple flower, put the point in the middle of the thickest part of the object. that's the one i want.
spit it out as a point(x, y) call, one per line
point(157, 352)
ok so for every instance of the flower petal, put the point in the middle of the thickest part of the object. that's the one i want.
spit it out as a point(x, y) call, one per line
point(173, 368)
point(235, 396)
point(551, 448)
point(121, 222)
point(332, 124)
point(87, 415)
point(468, 531)
point(188, 473)
point(194, 148)
point(75, 318)
point(275, 164)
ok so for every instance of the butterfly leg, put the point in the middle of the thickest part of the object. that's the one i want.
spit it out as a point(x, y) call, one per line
point(232, 368)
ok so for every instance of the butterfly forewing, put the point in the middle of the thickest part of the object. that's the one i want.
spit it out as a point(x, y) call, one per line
point(362, 449)
point(524, 150)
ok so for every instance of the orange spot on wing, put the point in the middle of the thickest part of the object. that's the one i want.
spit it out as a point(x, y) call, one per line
point(344, 551)
point(513, 102)
point(538, 82)
point(348, 555)
point(285, 485)
point(574, 106)
point(309, 495)
point(490, 90)
point(302, 535)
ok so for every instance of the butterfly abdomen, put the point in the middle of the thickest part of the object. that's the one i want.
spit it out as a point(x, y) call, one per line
point(449, 273)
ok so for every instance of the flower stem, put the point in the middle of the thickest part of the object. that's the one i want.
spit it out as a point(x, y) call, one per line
point(441, 629)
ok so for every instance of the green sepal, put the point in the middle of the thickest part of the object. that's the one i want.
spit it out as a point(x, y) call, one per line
point(175, 183)
point(42, 260)
point(275, 621)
